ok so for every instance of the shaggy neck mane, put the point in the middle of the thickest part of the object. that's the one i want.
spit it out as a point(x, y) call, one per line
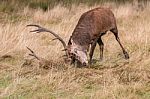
point(81, 34)
point(81, 38)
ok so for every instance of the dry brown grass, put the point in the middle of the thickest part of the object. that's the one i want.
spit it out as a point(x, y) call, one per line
point(113, 78)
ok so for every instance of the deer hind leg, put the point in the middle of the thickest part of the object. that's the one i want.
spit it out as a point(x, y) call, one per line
point(101, 47)
point(93, 45)
point(115, 32)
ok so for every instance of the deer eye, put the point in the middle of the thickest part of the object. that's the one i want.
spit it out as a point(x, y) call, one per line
point(75, 50)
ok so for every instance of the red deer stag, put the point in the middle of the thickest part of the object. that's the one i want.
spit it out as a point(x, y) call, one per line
point(91, 26)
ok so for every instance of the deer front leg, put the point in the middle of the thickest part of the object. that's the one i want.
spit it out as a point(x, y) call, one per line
point(93, 45)
point(101, 47)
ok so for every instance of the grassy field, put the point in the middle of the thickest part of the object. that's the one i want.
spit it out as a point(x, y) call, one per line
point(22, 77)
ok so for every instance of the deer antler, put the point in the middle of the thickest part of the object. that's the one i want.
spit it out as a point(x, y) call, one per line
point(33, 54)
point(41, 29)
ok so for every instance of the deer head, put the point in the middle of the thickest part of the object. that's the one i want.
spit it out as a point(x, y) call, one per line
point(77, 52)
point(73, 52)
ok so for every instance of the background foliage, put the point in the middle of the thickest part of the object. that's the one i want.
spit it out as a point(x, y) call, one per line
point(15, 5)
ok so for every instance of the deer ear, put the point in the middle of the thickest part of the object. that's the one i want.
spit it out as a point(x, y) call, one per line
point(70, 41)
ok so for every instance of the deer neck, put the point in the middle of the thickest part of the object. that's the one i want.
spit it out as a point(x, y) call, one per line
point(79, 46)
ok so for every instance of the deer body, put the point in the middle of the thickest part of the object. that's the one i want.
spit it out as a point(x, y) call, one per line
point(88, 31)
point(91, 26)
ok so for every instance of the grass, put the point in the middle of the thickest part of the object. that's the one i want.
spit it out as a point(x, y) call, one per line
point(22, 77)
point(15, 5)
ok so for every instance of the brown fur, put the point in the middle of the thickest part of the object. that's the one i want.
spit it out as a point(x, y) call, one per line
point(91, 26)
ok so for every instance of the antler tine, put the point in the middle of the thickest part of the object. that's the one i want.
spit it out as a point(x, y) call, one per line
point(33, 54)
point(34, 25)
point(64, 49)
point(40, 29)
point(54, 39)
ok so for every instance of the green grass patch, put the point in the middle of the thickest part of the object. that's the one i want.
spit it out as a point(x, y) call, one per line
point(5, 80)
